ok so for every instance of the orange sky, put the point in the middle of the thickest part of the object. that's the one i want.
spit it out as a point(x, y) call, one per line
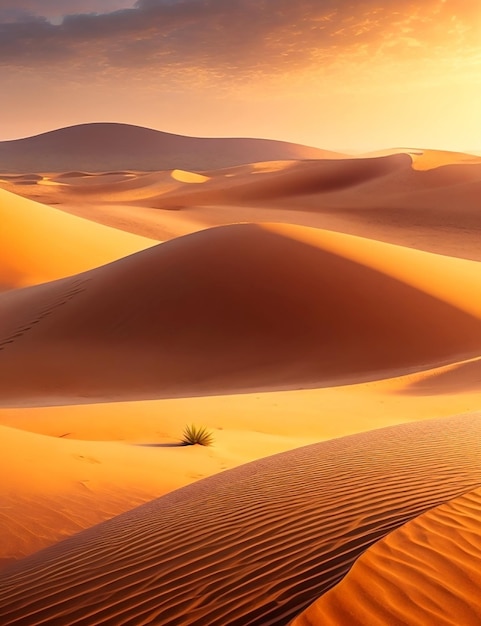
point(338, 74)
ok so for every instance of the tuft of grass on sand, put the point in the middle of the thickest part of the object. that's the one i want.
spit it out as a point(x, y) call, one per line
point(194, 435)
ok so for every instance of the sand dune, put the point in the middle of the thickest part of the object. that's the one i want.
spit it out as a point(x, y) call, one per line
point(301, 178)
point(245, 427)
point(53, 487)
point(238, 308)
point(38, 243)
point(108, 146)
point(428, 159)
point(431, 203)
point(426, 572)
point(254, 545)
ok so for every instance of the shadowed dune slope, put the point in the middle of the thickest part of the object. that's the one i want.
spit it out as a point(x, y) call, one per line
point(236, 308)
point(301, 178)
point(253, 545)
point(426, 572)
point(111, 146)
point(38, 243)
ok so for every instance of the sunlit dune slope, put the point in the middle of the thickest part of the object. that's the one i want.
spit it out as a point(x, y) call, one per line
point(110, 146)
point(53, 487)
point(236, 308)
point(39, 243)
point(426, 572)
point(426, 159)
point(254, 545)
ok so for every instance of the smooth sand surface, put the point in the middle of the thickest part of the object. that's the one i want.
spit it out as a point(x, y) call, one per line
point(238, 308)
point(39, 243)
point(53, 487)
point(254, 545)
point(426, 572)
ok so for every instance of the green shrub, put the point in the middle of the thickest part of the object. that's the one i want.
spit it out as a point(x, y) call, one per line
point(193, 435)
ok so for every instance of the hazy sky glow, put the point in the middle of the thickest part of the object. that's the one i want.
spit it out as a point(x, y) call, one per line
point(338, 74)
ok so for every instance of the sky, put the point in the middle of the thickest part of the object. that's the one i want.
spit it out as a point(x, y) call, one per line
point(354, 75)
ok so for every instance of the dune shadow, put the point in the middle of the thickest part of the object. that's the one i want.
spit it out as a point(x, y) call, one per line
point(463, 377)
point(161, 445)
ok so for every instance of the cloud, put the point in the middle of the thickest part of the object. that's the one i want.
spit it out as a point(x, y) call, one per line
point(15, 10)
point(244, 37)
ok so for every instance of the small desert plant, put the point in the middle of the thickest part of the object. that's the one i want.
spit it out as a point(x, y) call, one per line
point(197, 434)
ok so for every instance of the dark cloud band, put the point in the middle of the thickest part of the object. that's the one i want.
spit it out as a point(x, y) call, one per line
point(235, 34)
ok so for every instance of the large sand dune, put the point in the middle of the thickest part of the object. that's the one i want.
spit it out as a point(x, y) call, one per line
point(253, 545)
point(39, 243)
point(109, 146)
point(238, 308)
point(426, 572)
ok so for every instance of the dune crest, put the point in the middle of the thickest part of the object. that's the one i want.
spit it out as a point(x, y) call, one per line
point(426, 572)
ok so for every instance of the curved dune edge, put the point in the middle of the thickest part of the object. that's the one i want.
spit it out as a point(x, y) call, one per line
point(254, 545)
point(39, 243)
point(428, 159)
point(426, 572)
point(238, 308)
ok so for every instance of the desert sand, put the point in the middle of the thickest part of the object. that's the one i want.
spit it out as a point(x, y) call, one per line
point(308, 300)
point(251, 545)
point(426, 572)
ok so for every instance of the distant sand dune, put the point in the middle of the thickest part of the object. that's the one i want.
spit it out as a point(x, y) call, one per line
point(427, 201)
point(254, 545)
point(239, 308)
point(38, 243)
point(426, 572)
point(110, 146)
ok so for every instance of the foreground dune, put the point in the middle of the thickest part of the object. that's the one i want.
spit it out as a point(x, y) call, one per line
point(53, 487)
point(238, 308)
point(426, 572)
point(126, 452)
point(39, 243)
point(254, 545)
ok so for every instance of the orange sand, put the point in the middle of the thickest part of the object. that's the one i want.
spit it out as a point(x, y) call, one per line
point(254, 545)
point(428, 201)
point(39, 244)
point(325, 334)
point(235, 309)
point(426, 572)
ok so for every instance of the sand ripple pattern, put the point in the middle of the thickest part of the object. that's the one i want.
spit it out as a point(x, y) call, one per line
point(253, 545)
point(426, 572)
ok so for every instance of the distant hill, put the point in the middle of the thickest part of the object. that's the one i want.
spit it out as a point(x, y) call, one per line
point(109, 146)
